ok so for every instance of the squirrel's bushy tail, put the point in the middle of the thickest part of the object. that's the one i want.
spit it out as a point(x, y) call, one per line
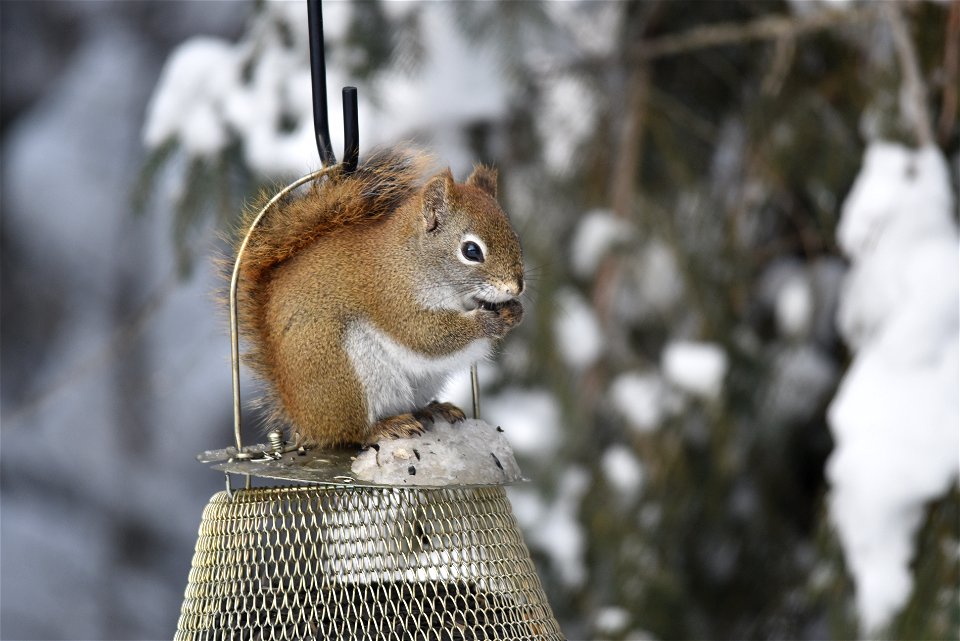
point(374, 190)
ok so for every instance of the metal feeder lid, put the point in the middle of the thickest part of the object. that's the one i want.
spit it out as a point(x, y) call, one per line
point(471, 453)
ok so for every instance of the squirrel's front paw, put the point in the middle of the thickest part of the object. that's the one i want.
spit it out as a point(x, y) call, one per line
point(501, 318)
point(435, 411)
point(400, 426)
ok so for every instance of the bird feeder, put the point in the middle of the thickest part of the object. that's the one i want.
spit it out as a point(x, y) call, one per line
point(334, 553)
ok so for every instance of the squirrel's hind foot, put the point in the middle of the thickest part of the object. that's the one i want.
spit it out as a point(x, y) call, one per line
point(400, 426)
point(435, 411)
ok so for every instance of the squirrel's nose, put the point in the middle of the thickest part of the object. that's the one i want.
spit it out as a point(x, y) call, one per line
point(517, 287)
point(513, 287)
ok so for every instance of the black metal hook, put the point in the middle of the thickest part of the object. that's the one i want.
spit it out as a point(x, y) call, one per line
point(318, 76)
point(351, 129)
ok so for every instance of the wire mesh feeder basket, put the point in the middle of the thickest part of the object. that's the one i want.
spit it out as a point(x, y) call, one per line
point(316, 562)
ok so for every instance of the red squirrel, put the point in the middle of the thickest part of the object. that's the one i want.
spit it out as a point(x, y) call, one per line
point(359, 297)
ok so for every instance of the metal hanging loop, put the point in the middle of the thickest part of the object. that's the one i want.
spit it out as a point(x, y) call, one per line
point(234, 279)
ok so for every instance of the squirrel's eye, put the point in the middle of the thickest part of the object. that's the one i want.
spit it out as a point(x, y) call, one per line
point(471, 251)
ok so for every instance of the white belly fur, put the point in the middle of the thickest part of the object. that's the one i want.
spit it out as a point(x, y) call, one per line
point(395, 379)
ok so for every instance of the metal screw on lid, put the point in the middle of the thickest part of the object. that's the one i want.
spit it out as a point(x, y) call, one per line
point(275, 438)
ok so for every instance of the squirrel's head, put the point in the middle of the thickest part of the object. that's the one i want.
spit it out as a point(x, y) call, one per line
point(470, 252)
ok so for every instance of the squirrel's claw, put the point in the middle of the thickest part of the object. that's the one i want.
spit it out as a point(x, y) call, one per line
point(400, 426)
point(435, 411)
point(413, 424)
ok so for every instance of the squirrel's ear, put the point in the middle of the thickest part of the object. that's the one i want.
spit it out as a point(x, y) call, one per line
point(485, 179)
point(435, 194)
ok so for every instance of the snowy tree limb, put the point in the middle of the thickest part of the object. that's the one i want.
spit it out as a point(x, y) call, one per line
point(782, 28)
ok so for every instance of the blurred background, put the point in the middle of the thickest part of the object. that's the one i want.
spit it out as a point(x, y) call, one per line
point(735, 389)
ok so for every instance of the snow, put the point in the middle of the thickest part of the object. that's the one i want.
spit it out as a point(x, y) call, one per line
point(695, 367)
point(803, 296)
point(622, 470)
point(639, 397)
point(895, 214)
point(659, 282)
point(598, 231)
point(254, 111)
point(529, 418)
point(203, 101)
point(611, 620)
point(186, 102)
point(895, 416)
point(458, 83)
point(469, 453)
point(592, 25)
point(650, 286)
point(565, 121)
point(577, 331)
point(794, 306)
point(398, 10)
point(569, 112)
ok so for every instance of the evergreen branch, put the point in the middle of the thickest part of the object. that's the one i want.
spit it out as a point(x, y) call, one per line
point(143, 187)
point(766, 28)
